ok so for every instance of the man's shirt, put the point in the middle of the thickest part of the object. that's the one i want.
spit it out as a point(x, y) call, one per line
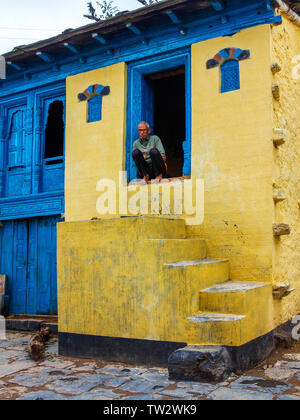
point(153, 142)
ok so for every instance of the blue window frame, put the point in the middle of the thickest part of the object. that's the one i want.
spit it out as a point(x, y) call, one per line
point(230, 76)
point(95, 108)
point(141, 102)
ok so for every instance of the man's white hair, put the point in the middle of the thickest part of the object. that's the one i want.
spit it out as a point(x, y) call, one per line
point(145, 122)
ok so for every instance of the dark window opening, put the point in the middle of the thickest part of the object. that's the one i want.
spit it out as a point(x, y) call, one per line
point(54, 133)
point(169, 116)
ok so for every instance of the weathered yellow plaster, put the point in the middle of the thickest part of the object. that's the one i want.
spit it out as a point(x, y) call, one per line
point(286, 165)
point(115, 281)
point(93, 150)
point(232, 151)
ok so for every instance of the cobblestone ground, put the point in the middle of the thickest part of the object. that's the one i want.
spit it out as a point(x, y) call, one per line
point(60, 378)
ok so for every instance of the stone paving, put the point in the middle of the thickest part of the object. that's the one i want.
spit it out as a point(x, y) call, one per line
point(60, 378)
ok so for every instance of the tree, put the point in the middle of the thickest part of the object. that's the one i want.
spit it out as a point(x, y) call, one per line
point(108, 9)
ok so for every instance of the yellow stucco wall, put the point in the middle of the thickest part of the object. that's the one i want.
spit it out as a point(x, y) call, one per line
point(110, 283)
point(232, 151)
point(93, 150)
point(286, 164)
point(115, 280)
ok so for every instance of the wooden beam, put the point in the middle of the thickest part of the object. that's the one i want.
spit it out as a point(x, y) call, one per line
point(174, 18)
point(134, 29)
point(100, 39)
point(47, 58)
point(15, 66)
point(73, 48)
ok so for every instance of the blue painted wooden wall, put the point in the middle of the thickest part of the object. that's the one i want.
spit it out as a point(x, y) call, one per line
point(31, 185)
point(28, 258)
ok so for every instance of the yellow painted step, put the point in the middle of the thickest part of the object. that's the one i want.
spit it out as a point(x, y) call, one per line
point(174, 250)
point(216, 329)
point(202, 273)
point(234, 297)
point(185, 279)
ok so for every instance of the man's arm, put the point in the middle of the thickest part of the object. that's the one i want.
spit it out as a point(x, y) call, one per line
point(160, 148)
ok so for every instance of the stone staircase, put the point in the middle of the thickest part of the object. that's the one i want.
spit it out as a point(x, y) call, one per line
point(143, 278)
point(206, 307)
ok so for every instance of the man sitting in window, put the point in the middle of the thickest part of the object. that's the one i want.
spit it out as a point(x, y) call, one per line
point(149, 155)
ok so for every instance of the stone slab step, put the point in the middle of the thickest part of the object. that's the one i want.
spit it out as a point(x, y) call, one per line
point(215, 317)
point(234, 297)
point(30, 325)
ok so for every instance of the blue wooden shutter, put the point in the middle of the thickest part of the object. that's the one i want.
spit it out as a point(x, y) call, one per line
point(95, 108)
point(16, 139)
point(230, 73)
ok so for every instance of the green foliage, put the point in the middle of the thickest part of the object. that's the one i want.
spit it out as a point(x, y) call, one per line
point(108, 9)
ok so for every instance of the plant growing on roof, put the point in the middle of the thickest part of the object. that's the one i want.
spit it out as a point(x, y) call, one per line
point(108, 9)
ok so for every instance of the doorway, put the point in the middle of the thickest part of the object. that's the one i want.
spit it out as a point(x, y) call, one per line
point(159, 92)
point(28, 258)
point(169, 116)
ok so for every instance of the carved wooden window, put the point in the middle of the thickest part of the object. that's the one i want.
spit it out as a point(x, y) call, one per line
point(230, 76)
point(94, 97)
point(95, 108)
point(16, 139)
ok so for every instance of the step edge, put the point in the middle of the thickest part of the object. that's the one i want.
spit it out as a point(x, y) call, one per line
point(196, 262)
point(218, 289)
point(204, 317)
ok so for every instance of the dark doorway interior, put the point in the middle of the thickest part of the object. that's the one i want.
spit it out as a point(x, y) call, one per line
point(170, 115)
point(54, 133)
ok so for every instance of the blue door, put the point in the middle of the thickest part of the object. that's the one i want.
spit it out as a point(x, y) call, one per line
point(28, 258)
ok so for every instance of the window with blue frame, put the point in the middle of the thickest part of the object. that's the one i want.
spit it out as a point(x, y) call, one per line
point(230, 76)
point(95, 108)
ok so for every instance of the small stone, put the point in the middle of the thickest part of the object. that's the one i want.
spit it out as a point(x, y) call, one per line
point(275, 68)
point(76, 385)
point(140, 386)
point(289, 397)
point(276, 91)
point(261, 384)
point(278, 373)
point(295, 357)
point(280, 229)
point(177, 393)
point(42, 395)
point(226, 394)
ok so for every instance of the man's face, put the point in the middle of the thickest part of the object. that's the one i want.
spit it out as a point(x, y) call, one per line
point(144, 131)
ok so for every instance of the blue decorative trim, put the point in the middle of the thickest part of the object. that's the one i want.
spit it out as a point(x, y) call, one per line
point(93, 90)
point(225, 54)
point(32, 206)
